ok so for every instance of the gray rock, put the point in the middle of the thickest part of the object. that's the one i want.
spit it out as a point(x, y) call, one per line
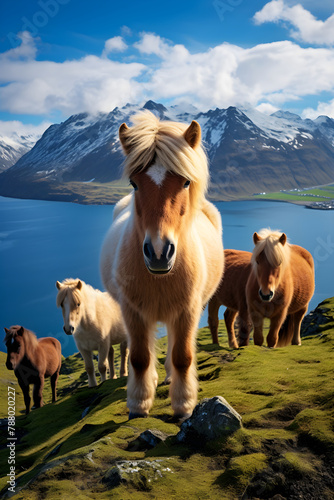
point(147, 439)
point(139, 473)
point(211, 419)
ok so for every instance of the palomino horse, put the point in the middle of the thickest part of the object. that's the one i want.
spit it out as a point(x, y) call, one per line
point(96, 323)
point(163, 256)
point(280, 287)
point(232, 294)
point(32, 360)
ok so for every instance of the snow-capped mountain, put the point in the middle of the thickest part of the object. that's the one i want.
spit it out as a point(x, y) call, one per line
point(248, 151)
point(13, 146)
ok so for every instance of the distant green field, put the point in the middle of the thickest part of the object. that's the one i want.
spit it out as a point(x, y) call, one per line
point(316, 194)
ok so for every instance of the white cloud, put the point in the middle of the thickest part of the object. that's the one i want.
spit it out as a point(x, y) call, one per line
point(324, 108)
point(38, 87)
point(266, 75)
point(115, 44)
point(306, 27)
point(15, 127)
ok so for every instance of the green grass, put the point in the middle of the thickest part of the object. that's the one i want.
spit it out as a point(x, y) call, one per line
point(285, 397)
point(318, 194)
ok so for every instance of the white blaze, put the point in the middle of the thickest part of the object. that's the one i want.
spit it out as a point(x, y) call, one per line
point(157, 173)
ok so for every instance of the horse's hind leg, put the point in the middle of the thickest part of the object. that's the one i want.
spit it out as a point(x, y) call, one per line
point(54, 380)
point(213, 320)
point(184, 385)
point(143, 377)
point(102, 362)
point(124, 359)
point(229, 317)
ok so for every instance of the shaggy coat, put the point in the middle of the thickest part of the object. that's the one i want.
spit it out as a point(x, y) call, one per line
point(280, 287)
point(33, 360)
point(232, 294)
point(163, 256)
point(96, 323)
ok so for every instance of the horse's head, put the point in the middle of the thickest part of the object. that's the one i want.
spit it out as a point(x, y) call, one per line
point(269, 258)
point(164, 165)
point(69, 300)
point(15, 346)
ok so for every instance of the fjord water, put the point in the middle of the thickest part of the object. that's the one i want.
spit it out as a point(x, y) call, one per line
point(42, 242)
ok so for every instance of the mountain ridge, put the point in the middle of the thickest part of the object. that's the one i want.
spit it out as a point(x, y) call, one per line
point(248, 151)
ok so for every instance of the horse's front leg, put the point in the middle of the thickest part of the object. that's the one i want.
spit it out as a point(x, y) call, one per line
point(298, 317)
point(124, 359)
point(38, 392)
point(26, 396)
point(89, 366)
point(143, 377)
point(184, 385)
point(275, 324)
point(257, 320)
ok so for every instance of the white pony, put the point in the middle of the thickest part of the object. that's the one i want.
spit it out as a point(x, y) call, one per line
point(96, 323)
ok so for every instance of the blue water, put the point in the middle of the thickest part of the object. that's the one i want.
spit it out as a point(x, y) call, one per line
point(42, 242)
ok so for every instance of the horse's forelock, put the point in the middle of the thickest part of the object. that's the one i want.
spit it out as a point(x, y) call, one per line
point(275, 252)
point(153, 141)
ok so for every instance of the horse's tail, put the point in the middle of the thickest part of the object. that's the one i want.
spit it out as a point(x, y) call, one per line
point(286, 332)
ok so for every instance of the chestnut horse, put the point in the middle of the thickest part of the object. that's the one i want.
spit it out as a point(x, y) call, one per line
point(32, 360)
point(96, 323)
point(232, 294)
point(280, 287)
point(163, 255)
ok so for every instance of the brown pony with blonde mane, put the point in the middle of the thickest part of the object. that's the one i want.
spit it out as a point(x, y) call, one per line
point(163, 256)
point(280, 287)
point(232, 294)
point(32, 360)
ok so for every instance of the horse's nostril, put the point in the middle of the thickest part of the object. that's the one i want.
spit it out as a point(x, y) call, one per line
point(170, 251)
point(72, 329)
point(149, 250)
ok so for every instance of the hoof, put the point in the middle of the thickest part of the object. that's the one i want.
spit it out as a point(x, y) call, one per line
point(179, 417)
point(136, 415)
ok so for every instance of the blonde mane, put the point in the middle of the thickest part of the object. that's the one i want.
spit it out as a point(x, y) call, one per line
point(276, 253)
point(69, 285)
point(153, 141)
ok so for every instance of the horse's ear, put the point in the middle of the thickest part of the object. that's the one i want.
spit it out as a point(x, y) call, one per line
point(283, 239)
point(20, 331)
point(58, 285)
point(193, 134)
point(79, 285)
point(6, 330)
point(123, 137)
point(256, 238)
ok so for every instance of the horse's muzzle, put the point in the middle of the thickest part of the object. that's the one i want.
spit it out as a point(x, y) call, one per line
point(9, 365)
point(266, 298)
point(160, 265)
point(69, 331)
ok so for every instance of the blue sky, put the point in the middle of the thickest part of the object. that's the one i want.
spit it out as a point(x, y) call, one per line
point(59, 57)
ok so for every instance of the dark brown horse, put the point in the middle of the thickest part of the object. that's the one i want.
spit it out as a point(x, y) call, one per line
point(32, 360)
point(232, 294)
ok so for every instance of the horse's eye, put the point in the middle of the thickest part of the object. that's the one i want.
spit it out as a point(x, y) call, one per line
point(134, 185)
point(78, 304)
point(186, 184)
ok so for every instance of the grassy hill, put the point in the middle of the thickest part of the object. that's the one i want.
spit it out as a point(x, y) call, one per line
point(285, 396)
